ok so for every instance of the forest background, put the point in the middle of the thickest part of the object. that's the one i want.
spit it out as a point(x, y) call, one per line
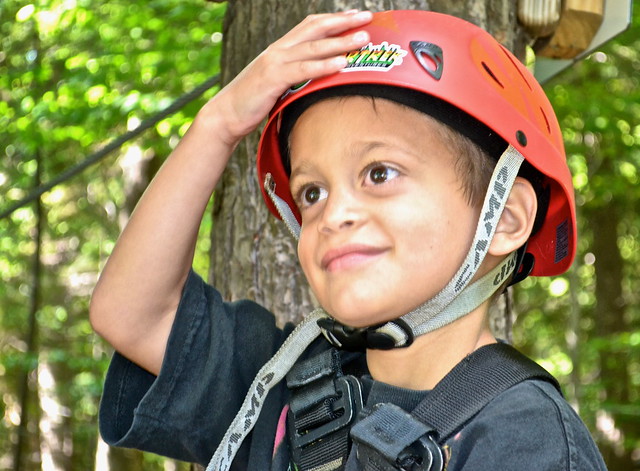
point(76, 74)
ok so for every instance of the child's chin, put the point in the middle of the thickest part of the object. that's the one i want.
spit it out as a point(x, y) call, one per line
point(357, 322)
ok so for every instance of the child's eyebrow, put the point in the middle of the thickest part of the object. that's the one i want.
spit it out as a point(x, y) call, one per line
point(370, 146)
point(307, 167)
point(303, 168)
point(360, 149)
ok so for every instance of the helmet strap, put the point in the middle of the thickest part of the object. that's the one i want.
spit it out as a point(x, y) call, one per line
point(285, 212)
point(441, 310)
point(450, 303)
point(398, 333)
point(524, 265)
point(434, 314)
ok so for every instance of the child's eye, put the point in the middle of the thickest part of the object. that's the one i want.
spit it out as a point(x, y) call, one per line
point(311, 194)
point(380, 173)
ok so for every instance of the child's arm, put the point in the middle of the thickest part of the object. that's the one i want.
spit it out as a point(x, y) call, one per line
point(135, 301)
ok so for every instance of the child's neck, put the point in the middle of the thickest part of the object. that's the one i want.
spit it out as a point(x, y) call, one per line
point(431, 356)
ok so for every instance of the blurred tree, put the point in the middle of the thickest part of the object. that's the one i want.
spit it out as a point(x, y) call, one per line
point(252, 254)
point(597, 102)
point(73, 76)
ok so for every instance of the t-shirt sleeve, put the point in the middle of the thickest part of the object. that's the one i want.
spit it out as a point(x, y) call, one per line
point(528, 427)
point(213, 353)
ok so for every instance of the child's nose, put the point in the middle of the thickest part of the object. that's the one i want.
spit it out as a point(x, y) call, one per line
point(342, 210)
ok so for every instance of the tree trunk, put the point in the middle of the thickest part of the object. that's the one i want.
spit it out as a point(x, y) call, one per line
point(27, 384)
point(610, 311)
point(55, 441)
point(253, 256)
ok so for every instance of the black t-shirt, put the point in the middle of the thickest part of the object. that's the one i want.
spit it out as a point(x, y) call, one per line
point(215, 350)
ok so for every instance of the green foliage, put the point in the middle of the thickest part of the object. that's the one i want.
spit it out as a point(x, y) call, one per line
point(598, 106)
point(74, 75)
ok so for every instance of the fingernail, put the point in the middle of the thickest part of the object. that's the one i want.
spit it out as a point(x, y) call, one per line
point(363, 15)
point(340, 62)
point(361, 36)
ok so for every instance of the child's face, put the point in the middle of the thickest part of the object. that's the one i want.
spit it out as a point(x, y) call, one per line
point(385, 224)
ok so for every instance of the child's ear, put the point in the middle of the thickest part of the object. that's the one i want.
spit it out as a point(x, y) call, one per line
point(517, 219)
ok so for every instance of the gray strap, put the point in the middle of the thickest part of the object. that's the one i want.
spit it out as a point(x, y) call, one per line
point(474, 295)
point(268, 376)
point(285, 212)
point(423, 319)
point(435, 313)
point(430, 316)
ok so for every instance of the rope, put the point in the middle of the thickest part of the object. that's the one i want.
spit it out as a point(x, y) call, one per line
point(113, 145)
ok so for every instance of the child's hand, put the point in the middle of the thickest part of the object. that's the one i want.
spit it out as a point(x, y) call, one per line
point(308, 51)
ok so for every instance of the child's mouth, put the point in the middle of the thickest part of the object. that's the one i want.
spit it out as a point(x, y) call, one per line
point(349, 256)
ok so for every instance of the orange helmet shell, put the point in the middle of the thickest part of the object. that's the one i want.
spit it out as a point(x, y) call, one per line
point(462, 64)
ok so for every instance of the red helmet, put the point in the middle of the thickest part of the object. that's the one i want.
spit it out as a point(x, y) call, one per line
point(461, 64)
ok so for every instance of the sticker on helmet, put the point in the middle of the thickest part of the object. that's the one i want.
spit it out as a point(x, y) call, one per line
point(295, 88)
point(379, 57)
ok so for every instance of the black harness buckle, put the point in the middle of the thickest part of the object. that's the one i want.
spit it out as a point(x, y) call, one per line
point(358, 339)
point(422, 455)
point(391, 439)
point(345, 407)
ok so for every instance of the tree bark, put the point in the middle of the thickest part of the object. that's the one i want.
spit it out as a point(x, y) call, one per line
point(252, 254)
point(28, 392)
point(609, 315)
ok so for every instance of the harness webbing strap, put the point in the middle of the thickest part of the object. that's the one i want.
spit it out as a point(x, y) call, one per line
point(419, 321)
point(473, 383)
point(324, 404)
point(269, 375)
point(388, 435)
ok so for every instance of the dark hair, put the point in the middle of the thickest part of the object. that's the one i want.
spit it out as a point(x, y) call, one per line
point(476, 146)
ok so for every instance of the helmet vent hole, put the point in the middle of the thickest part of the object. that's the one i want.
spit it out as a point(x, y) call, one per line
point(521, 137)
point(491, 74)
point(429, 56)
point(546, 121)
point(518, 66)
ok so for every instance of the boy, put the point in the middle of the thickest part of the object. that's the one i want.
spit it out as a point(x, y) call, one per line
point(386, 134)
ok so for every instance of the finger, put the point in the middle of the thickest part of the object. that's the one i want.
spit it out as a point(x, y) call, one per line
point(309, 70)
point(324, 25)
point(328, 47)
point(311, 59)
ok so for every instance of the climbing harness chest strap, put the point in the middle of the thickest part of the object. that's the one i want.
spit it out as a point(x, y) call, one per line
point(473, 383)
point(324, 404)
point(389, 438)
point(452, 403)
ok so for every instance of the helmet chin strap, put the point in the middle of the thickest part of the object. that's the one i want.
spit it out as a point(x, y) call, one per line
point(455, 300)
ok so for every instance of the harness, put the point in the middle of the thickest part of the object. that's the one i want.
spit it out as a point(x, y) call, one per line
point(326, 402)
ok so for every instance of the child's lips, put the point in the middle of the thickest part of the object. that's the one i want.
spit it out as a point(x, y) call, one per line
point(349, 256)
